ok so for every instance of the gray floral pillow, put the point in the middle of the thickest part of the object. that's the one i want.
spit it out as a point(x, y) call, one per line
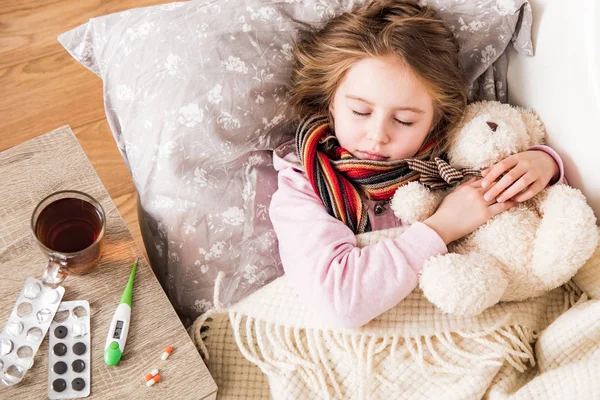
point(195, 96)
point(485, 28)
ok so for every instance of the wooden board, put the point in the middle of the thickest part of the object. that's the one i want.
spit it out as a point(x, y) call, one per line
point(55, 161)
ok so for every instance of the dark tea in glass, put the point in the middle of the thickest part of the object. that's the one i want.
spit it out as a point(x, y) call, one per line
point(69, 227)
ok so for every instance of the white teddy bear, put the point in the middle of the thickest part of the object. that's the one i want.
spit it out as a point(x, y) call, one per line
point(521, 253)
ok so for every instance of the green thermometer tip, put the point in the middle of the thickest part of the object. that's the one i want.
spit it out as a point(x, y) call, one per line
point(129, 288)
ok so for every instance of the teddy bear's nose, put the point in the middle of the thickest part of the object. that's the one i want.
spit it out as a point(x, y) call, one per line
point(493, 126)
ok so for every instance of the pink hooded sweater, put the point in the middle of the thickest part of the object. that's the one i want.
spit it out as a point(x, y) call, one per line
point(347, 286)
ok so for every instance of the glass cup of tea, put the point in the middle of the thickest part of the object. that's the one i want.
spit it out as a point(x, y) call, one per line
point(69, 228)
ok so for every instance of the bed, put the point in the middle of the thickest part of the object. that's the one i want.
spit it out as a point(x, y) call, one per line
point(247, 367)
point(195, 106)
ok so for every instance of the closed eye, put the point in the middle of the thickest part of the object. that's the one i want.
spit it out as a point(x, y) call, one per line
point(395, 119)
point(404, 123)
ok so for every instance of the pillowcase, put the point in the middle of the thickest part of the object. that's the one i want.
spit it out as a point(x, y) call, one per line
point(195, 96)
point(484, 29)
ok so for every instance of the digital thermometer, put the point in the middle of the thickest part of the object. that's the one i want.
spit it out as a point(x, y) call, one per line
point(119, 326)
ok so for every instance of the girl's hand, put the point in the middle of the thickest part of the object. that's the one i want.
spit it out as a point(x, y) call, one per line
point(464, 210)
point(528, 173)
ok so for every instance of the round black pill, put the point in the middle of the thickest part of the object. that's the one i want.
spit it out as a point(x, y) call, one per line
point(59, 349)
point(78, 365)
point(60, 367)
point(59, 385)
point(78, 384)
point(79, 348)
point(61, 332)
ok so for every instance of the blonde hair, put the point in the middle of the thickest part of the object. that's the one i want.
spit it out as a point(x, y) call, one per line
point(382, 28)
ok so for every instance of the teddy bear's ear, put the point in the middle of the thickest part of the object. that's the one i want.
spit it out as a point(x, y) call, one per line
point(534, 124)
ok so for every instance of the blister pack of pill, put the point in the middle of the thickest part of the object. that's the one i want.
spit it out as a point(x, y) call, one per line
point(26, 327)
point(69, 351)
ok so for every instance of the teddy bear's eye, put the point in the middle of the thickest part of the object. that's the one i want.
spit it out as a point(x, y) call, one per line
point(493, 126)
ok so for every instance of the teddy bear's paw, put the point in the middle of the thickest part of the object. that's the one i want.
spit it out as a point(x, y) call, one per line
point(566, 238)
point(414, 202)
point(462, 285)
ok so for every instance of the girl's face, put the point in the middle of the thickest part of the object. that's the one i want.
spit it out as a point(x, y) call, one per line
point(381, 110)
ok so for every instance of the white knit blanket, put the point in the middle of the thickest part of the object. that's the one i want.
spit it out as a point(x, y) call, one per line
point(270, 345)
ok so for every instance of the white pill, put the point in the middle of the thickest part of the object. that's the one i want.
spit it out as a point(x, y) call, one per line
point(79, 330)
point(32, 290)
point(14, 328)
point(51, 296)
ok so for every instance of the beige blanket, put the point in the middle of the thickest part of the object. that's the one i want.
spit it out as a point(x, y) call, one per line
point(547, 347)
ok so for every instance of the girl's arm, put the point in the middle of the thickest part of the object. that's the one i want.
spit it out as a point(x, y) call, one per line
point(346, 286)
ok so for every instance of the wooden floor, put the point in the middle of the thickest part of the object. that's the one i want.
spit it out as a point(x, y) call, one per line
point(42, 87)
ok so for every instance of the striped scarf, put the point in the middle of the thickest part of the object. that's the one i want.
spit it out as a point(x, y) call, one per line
point(340, 179)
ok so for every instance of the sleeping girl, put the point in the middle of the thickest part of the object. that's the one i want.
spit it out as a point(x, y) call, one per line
point(371, 89)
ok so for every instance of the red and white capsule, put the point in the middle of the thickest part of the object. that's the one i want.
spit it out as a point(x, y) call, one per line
point(166, 353)
point(152, 381)
point(151, 375)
